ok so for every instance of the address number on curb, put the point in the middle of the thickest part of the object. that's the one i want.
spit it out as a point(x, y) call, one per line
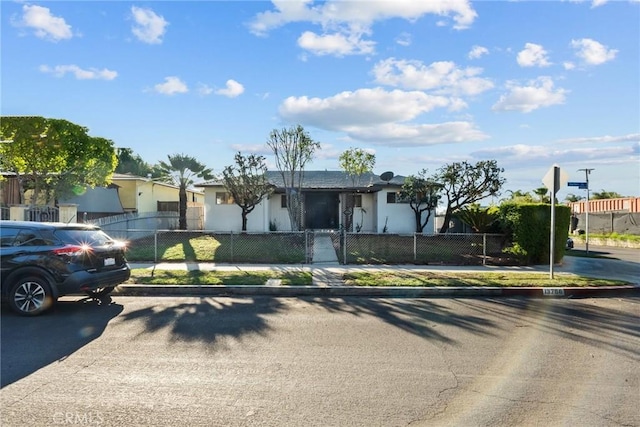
point(555, 292)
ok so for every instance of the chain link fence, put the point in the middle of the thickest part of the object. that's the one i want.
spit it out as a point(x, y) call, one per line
point(444, 249)
point(298, 247)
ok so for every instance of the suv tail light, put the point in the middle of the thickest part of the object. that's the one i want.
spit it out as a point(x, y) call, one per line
point(72, 250)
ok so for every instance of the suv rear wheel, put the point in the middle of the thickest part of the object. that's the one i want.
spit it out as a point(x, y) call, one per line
point(31, 296)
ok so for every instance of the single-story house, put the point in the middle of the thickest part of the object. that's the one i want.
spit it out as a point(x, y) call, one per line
point(377, 205)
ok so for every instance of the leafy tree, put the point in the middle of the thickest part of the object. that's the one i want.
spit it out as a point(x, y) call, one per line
point(129, 162)
point(464, 183)
point(480, 219)
point(423, 196)
point(292, 148)
point(519, 196)
point(247, 182)
point(355, 162)
point(605, 195)
point(54, 157)
point(573, 198)
point(543, 194)
point(181, 171)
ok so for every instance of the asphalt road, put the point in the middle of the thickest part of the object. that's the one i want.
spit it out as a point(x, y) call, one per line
point(141, 361)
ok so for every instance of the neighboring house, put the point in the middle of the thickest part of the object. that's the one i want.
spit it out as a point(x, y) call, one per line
point(96, 203)
point(378, 207)
point(135, 194)
point(623, 204)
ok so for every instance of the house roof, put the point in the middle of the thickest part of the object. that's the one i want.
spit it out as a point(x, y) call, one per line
point(99, 199)
point(131, 177)
point(327, 180)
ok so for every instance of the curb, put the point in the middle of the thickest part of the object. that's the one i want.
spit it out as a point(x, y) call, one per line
point(362, 291)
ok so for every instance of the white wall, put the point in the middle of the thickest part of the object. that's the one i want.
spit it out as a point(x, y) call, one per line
point(229, 217)
point(399, 216)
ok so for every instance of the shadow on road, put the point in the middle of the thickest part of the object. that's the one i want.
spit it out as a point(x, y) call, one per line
point(585, 320)
point(39, 341)
point(212, 319)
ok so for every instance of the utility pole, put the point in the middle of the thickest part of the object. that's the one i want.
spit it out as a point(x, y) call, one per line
point(586, 210)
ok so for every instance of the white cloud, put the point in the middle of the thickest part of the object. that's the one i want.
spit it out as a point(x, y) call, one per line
point(335, 44)
point(379, 117)
point(79, 73)
point(404, 39)
point(442, 77)
point(537, 94)
point(344, 23)
point(45, 25)
point(592, 52)
point(171, 86)
point(634, 137)
point(477, 52)
point(533, 55)
point(568, 65)
point(204, 89)
point(232, 89)
point(149, 27)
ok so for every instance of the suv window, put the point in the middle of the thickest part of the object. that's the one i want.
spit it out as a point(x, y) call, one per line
point(28, 238)
point(8, 236)
point(83, 236)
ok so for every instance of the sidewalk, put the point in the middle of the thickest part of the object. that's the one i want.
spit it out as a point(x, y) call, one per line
point(327, 280)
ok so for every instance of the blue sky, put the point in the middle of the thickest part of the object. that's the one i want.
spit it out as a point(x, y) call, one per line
point(418, 83)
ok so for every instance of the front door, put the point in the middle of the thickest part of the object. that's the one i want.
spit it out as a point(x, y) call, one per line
point(321, 210)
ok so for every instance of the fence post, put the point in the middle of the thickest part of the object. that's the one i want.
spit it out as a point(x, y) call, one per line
point(484, 248)
point(344, 247)
point(155, 246)
point(307, 257)
point(231, 244)
point(415, 247)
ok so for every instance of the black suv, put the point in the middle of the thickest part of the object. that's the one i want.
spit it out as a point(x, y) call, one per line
point(43, 261)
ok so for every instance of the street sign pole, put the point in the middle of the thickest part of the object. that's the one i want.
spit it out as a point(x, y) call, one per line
point(586, 209)
point(553, 180)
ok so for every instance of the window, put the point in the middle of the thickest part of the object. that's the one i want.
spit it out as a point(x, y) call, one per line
point(355, 200)
point(394, 197)
point(168, 206)
point(283, 201)
point(223, 198)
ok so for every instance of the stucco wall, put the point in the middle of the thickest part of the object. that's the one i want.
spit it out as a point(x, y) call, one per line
point(399, 217)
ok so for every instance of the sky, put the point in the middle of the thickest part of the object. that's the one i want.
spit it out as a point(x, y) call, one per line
point(420, 84)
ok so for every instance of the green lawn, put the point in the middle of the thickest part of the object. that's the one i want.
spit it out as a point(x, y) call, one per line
point(427, 279)
point(228, 278)
point(391, 278)
point(276, 248)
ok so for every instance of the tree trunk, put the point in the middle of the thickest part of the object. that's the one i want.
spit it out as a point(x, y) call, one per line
point(447, 218)
point(244, 220)
point(182, 225)
point(419, 226)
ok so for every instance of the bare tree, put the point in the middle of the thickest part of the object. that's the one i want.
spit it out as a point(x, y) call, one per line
point(247, 182)
point(292, 148)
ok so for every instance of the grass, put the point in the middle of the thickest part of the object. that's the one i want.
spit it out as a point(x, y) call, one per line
point(449, 279)
point(403, 278)
point(280, 248)
point(227, 278)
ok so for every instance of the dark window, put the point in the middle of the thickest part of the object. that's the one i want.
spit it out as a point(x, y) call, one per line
point(355, 200)
point(283, 201)
point(168, 206)
point(391, 197)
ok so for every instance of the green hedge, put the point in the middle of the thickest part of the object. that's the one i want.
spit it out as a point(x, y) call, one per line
point(529, 226)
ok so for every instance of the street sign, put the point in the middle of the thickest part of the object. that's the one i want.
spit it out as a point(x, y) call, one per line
point(554, 179)
point(580, 185)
